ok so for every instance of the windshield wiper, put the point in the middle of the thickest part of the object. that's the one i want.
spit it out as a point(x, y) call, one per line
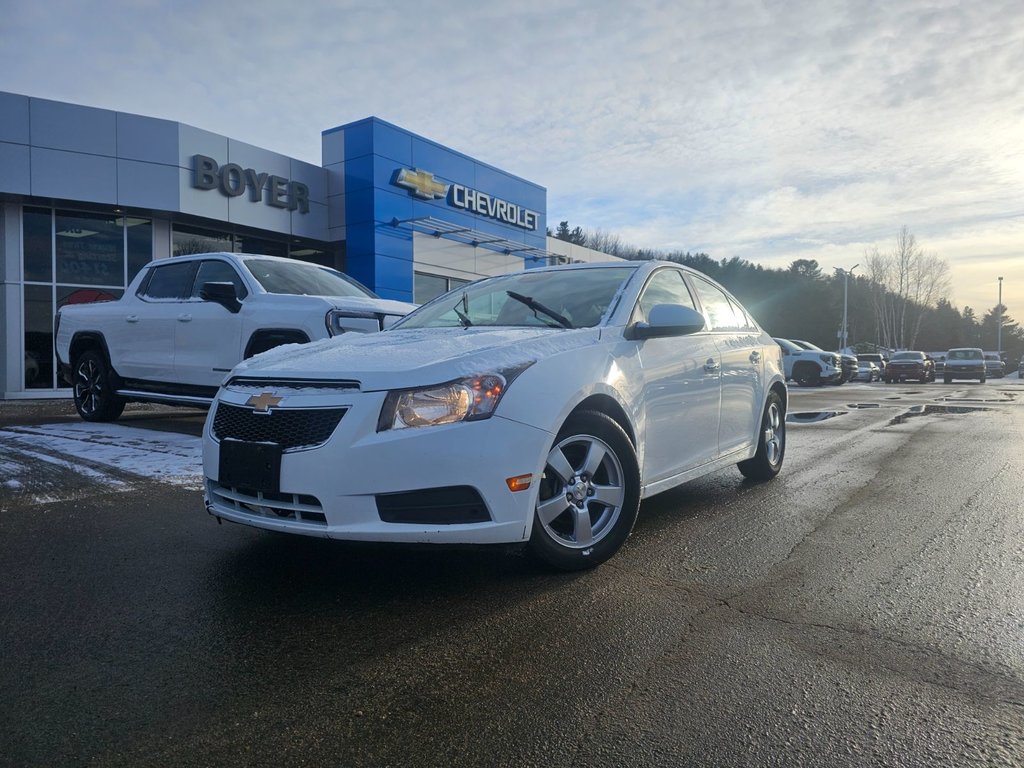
point(462, 315)
point(536, 306)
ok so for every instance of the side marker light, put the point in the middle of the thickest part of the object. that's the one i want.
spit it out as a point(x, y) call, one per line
point(519, 483)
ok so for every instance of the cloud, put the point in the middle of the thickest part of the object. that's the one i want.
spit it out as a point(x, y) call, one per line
point(752, 128)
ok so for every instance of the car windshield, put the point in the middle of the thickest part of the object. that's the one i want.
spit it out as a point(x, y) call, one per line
point(808, 345)
point(992, 356)
point(908, 356)
point(579, 297)
point(300, 278)
point(964, 354)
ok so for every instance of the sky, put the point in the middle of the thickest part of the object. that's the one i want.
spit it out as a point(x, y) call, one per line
point(768, 131)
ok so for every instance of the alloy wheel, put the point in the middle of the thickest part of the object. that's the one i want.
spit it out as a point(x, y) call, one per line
point(582, 492)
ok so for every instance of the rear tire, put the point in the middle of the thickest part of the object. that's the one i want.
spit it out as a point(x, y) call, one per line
point(589, 494)
point(93, 390)
point(947, 379)
point(771, 444)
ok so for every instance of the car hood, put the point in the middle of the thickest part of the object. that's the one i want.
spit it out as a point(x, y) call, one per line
point(414, 357)
point(367, 304)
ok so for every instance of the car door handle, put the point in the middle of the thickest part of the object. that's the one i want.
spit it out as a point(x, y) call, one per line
point(755, 357)
point(132, 318)
point(712, 365)
point(185, 318)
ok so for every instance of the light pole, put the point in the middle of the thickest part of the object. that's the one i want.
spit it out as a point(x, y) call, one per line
point(999, 326)
point(844, 334)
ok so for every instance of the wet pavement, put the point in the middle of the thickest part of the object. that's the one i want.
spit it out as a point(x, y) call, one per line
point(866, 608)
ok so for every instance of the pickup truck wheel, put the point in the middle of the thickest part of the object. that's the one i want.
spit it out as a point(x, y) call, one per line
point(92, 389)
point(771, 443)
point(807, 376)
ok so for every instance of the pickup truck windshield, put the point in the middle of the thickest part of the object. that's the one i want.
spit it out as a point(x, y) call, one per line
point(302, 279)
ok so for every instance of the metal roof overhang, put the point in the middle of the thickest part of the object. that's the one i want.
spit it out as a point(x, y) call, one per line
point(439, 228)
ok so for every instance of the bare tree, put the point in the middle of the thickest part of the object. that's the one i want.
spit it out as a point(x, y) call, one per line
point(905, 282)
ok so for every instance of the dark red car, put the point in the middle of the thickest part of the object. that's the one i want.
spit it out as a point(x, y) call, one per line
point(909, 365)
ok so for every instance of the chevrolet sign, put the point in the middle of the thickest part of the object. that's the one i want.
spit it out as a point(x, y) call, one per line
point(423, 185)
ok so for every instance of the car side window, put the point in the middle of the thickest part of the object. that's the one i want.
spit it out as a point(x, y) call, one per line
point(169, 282)
point(216, 271)
point(666, 286)
point(721, 314)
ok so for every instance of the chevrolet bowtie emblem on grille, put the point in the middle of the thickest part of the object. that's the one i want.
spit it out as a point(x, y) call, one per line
point(421, 184)
point(263, 402)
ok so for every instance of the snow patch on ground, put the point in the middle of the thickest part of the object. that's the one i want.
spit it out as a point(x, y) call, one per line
point(163, 456)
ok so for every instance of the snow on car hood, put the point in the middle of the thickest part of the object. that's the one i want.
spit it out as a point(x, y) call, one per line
point(367, 304)
point(414, 357)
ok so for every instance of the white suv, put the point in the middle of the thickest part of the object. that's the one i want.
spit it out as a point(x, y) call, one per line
point(185, 322)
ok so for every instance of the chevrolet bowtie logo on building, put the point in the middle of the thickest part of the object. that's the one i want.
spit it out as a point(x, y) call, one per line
point(263, 402)
point(422, 184)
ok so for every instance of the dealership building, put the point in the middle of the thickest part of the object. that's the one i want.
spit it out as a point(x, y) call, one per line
point(88, 196)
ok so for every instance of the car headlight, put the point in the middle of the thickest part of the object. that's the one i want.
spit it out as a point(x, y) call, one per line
point(469, 399)
point(829, 360)
point(363, 321)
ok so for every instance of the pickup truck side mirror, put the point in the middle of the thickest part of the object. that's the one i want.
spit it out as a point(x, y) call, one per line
point(221, 293)
point(667, 320)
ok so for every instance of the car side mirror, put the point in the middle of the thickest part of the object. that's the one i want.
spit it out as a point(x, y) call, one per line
point(221, 293)
point(667, 320)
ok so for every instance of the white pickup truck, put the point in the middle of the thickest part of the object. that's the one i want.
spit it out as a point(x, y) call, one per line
point(185, 322)
point(810, 367)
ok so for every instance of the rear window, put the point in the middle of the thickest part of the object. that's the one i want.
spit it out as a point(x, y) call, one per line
point(171, 281)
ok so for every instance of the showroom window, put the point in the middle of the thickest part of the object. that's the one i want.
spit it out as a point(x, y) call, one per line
point(72, 257)
point(427, 287)
point(189, 240)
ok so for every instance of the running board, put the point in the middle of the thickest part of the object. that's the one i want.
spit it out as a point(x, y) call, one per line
point(157, 397)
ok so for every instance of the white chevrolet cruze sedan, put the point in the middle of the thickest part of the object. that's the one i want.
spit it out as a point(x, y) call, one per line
point(536, 407)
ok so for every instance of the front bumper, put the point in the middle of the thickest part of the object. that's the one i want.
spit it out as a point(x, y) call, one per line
point(331, 490)
point(963, 371)
point(895, 373)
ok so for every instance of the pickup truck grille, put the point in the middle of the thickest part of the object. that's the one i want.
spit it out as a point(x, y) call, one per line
point(291, 428)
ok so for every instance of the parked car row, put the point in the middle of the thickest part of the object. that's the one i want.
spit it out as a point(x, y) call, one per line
point(913, 365)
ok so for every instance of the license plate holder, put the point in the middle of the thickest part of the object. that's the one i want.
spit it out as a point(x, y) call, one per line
point(256, 466)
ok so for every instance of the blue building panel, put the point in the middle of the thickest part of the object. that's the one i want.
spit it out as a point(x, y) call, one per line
point(393, 278)
point(392, 203)
point(359, 208)
point(14, 118)
point(359, 173)
point(359, 138)
point(392, 143)
point(359, 256)
point(445, 163)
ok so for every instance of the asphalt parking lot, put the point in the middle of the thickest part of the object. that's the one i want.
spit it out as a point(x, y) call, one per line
point(866, 608)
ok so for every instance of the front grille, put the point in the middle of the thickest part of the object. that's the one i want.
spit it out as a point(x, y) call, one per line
point(299, 507)
point(291, 428)
point(342, 385)
point(434, 506)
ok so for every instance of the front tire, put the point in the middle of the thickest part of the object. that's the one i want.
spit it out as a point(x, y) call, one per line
point(589, 494)
point(92, 389)
point(807, 376)
point(771, 444)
